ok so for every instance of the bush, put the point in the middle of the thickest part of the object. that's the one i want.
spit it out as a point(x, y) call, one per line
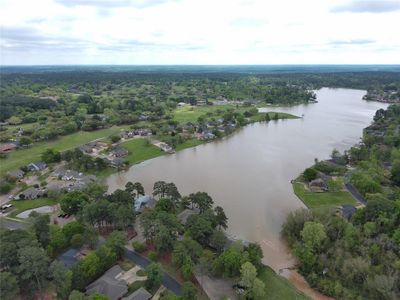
point(138, 246)
point(5, 187)
point(310, 174)
point(152, 256)
point(77, 241)
point(115, 138)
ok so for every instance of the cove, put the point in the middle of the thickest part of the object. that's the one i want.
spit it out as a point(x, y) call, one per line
point(248, 173)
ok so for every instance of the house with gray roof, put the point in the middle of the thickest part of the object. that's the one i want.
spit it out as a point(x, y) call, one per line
point(37, 166)
point(140, 294)
point(109, 285)
point(119, 152)
point(30, 193)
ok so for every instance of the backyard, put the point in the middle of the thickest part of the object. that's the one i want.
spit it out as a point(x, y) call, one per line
point(322, 200)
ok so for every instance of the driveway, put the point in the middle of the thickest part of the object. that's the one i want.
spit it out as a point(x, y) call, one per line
point(168, 281)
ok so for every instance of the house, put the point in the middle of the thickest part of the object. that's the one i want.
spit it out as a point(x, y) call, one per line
point(165, 147)
point(189, 126)
point(7, 147)
point(185, 214)
point(16, 174)
point(140, 294)
point(73, 89)
point(86, 148)
point(119, 152)
point(37, 166)
point(318, 185)
point(69, 257)
point(109, 285)
point(115, 162)
point(348, 211)
point(30, 193)
point(208, 136)
point(143, 202)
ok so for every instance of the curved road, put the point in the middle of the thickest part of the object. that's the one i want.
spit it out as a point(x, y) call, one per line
point(168, 281)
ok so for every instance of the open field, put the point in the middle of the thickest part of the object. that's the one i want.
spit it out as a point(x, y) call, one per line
point(22, 205)
point(322, 200)
point(23, 157)
point(140, 150)
point(277, 287)
point(190, 113)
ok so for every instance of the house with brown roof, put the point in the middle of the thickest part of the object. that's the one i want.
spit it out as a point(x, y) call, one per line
point(7, 147)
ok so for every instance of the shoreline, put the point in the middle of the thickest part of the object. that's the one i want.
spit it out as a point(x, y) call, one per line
point(180, 147)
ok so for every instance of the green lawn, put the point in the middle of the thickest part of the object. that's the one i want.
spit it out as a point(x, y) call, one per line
point(140, 150)
point(322, 200)
point(277, 287)
point(23, 157)
point(188, 144)
point(189, 113)
point(22, 205)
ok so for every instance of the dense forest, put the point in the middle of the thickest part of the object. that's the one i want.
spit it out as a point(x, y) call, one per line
point(61, 102)
point(359, 258)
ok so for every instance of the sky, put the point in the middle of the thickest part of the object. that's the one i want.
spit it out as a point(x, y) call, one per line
point(162, 32)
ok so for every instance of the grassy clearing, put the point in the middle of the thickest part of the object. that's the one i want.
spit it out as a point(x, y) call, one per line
point(322, 200)
point(277, 287)
point(23, 157)
point(189, 113)
point(188, 144)
point(192, 113)
point(22, 205)
point(140, 150)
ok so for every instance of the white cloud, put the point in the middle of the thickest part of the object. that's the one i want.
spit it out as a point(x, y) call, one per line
point(198, 32)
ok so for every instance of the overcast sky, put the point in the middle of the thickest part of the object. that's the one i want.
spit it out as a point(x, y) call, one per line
point(200, 32)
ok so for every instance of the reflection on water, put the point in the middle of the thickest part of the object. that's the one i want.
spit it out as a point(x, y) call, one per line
point(249, 173)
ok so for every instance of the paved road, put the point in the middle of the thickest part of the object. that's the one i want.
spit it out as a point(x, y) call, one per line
point(168, 281)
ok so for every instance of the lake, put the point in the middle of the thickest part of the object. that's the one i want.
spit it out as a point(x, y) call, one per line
point(249, 172)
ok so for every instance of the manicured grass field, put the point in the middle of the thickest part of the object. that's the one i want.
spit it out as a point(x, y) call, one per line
point(277, 287)
point(189, 144)
point(322, 200)
point(23, 157)
point(22, 205)
point(189, 113)
point(140, 150)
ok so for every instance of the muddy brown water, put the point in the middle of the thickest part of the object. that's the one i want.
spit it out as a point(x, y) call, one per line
point(249, 172)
